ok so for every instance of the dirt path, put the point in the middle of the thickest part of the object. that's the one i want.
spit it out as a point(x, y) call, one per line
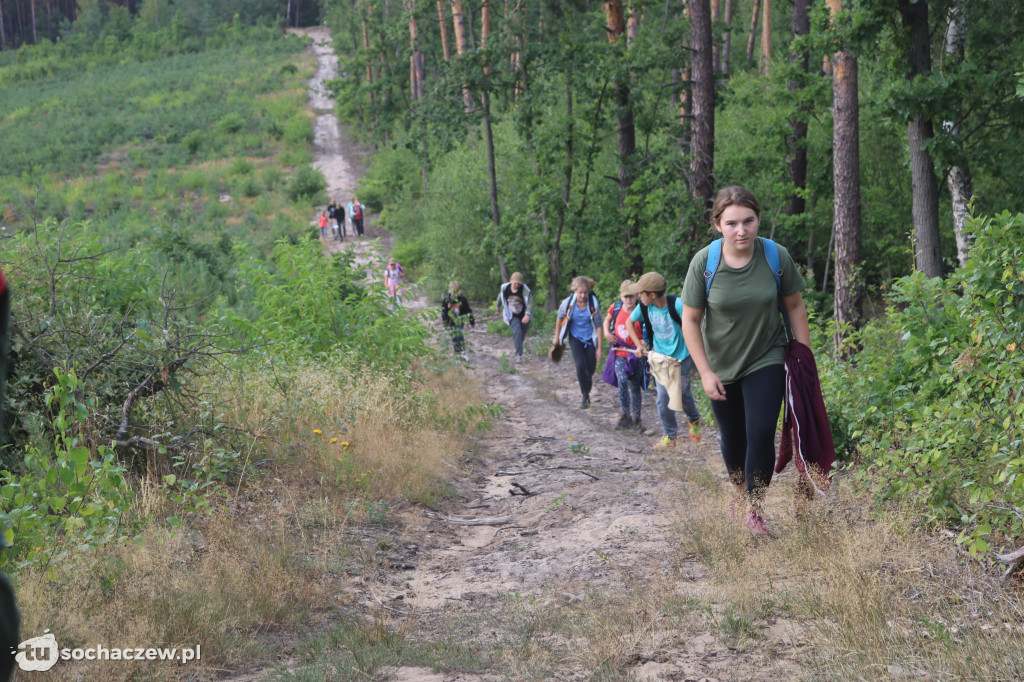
point(588, 510)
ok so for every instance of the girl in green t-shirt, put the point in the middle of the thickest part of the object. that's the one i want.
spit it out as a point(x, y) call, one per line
point(741, 349)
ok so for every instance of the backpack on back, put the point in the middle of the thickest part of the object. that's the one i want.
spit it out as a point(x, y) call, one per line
point(673, 313)
point(357, 211)
point(771, 254)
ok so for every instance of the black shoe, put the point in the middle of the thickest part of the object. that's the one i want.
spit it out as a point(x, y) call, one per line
point(638, 425)
point(585, 404)
point(624, 422)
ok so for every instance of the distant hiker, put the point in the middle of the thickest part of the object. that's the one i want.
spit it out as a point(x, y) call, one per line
point(355, 211)
point(579, 318)
point(667, 355)
point(736, 288)
point(323, 225)
point(337, 215)
point(627, 371)
point(394, 275)
point(454, 313)
point(516, 309)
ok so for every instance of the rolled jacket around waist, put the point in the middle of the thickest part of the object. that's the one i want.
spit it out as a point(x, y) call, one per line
point(667, 371)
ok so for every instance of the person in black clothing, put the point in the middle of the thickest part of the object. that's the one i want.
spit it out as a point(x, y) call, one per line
point(454, 313)
point(337, 214)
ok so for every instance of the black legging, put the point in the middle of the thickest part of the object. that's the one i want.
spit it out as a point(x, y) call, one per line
point(747, 419)
point(585, 357)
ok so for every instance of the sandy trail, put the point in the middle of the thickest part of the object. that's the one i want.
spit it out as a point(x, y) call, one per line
point(574, 533)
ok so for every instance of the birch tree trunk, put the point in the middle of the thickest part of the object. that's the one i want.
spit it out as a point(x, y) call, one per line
point(3, 29)
point(753, 31)
point(959, 180)
point(35, 36)
point(716, 15)
point(702, 162)
point(846, 180)
point(555, 240)
point(927, 257)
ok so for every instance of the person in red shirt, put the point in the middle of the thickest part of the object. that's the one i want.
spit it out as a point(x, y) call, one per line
point(629, 369)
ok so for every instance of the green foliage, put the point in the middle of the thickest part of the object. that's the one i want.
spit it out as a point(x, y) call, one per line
point(307, 185)
point(933, 404)
point(72, 497)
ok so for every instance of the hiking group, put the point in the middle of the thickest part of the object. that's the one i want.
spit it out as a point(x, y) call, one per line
point(738, 319)
point(333, 219)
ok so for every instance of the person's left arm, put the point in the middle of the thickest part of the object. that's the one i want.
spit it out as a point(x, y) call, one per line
point(796, 310)
point(528, 298)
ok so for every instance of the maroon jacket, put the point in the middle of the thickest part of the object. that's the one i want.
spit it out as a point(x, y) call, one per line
point(805, 424)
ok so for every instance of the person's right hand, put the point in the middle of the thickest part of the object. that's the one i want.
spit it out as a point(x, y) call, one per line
point(713, 386)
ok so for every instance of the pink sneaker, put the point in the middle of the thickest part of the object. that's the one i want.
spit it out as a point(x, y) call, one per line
point(756, 524)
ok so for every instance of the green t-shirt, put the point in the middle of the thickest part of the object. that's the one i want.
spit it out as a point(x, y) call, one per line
point(742, 329)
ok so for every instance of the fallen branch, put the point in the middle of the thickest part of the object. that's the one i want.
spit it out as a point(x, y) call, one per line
point(548, 468)
point(545, 454)
point(495, 521)
point(520, 487)
point(1012, 557)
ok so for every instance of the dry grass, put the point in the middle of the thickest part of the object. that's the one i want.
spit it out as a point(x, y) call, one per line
point(243, 580)
point(872, 598)
point(218, 585)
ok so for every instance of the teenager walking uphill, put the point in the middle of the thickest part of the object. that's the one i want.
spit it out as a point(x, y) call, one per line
point(668, 356)
point(736, 288)
point(628, 372)
point(454, 313)
point(355, 212)
point(516, 309)
point(579, 319)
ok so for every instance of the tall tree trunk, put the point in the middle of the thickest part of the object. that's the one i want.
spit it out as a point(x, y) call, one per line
point(753, 31)
point(846, 179)
point(766, 36)
point(959, 180)
point(3, 29)
point(702, 163)
point(626, 135)
point(716, 15)
point(927, 257)
point(727, 38)
point(492, 176)
point(555, 240)
point(462, 45)
point(369, 67)
point(35, 36)
point(796, 144)
point(415, 57)
point(443, 23)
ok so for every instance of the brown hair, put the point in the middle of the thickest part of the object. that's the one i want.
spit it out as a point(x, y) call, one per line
point(734, 195)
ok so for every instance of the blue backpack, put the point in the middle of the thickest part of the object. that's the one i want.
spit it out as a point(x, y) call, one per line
point(771, 254)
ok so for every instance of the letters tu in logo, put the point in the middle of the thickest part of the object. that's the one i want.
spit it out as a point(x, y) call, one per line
point(38, 653)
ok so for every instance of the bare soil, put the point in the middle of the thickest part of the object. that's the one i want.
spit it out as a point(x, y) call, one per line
point(588, 510)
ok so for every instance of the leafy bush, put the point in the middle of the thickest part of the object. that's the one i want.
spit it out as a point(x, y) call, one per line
point(70, 497)
point(933, 402)
point(307, 185)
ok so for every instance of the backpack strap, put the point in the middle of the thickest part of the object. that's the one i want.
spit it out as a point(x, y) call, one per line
point(648, 329)
point(673, 313)
point(714, 258)
point(771, 254)
point(616, 309)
